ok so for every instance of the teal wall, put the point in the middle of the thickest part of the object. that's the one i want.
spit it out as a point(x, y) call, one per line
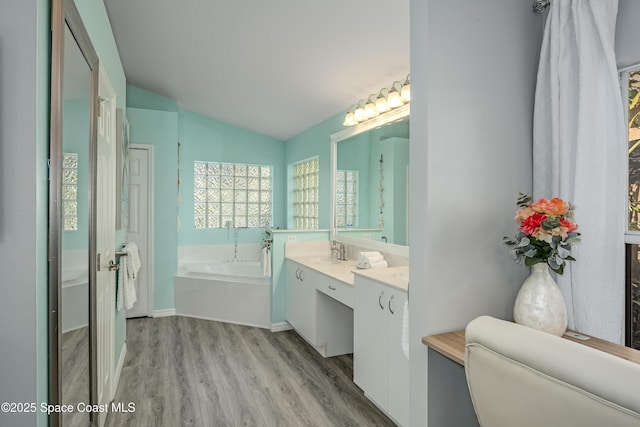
point(145, 100)
point(315, 141)
point(203, 138)
point(159, 121)
point(160, 129)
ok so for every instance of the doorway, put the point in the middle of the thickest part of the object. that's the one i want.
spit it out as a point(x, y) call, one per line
point(140, 225)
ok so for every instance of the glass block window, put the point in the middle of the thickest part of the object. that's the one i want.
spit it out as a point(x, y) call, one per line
point(69, 191)
point(234, 193)
point(346, 198)
point(305, 194)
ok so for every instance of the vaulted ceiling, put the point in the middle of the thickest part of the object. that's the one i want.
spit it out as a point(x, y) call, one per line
point(275, 67)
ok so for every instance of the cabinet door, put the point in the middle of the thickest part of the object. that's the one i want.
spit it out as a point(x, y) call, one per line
point(369, 339)
point(301, 303)
point(398, 365)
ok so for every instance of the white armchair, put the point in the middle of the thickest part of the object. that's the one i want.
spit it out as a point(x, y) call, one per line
point(521, 377)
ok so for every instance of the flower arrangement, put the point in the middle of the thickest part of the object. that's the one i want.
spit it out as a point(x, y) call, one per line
point(546, 233)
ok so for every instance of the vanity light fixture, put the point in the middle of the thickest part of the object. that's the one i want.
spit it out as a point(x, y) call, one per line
point(387, 99)
point(393, 99)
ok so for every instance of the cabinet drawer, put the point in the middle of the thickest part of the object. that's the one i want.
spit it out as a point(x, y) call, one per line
point(337, 290)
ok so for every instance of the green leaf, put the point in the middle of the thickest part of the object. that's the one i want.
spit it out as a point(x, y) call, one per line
point(551, 222)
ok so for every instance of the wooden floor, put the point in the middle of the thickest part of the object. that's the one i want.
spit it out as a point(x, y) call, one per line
point(181, 371)
point(74, 375)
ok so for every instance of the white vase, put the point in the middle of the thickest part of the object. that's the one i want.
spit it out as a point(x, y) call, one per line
point(540, 303)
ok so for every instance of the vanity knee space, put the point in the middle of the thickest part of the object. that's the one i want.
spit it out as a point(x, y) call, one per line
point(339, 310)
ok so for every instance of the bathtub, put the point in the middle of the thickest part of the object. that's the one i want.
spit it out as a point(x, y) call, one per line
point(75, 298)
point(240, 271)
point(225, 291)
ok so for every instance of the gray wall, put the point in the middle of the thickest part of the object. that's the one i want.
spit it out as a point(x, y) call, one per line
point(24, 100)
point(473, 70)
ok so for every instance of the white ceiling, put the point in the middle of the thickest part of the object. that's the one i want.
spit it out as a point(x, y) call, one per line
point(275, 67)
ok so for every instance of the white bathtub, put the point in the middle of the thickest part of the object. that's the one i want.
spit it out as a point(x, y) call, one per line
point(225, 291)
point(75, 298)
point(241, 271)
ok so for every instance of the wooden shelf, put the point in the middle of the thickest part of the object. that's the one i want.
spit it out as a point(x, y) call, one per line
point(452, 344)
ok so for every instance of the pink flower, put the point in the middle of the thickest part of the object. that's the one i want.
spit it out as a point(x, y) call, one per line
point(530, 224)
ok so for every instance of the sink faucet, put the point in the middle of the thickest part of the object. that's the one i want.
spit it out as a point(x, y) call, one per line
point(339, 249)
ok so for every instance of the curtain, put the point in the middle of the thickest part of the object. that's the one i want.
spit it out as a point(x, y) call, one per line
point(579, 155)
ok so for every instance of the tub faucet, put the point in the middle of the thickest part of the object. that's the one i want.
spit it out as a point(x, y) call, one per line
point(339, 249)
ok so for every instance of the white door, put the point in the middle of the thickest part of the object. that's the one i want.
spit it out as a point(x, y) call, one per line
point(138, 229)
point(105, 239)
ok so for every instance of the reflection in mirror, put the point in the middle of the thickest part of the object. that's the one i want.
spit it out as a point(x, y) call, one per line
point(74, 298)
point(371, 188)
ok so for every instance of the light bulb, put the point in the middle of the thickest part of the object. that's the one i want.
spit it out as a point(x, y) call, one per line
point(349, 119)
point(394, 100)
point(405, 93)
point(370, 107)
point(381, 104)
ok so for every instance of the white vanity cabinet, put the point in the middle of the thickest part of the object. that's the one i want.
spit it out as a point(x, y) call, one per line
point(380, 368)
point(301, 300)
point(319, 308)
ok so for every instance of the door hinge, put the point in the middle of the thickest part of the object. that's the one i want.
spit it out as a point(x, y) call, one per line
point(48, 169)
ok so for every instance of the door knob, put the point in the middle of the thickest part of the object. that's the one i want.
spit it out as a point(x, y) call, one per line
point(113, 266)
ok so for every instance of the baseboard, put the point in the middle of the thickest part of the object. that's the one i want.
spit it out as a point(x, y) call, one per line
point(167, 312)
point(281, 326)
point(118, 371)
point(215, 319)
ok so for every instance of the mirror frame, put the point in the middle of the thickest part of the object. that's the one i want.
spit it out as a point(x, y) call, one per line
point(64, 13)
point(381, 120)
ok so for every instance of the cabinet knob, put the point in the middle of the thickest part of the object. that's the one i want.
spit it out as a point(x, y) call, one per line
point(380, 300)
point(391, 299)
point(332, 288)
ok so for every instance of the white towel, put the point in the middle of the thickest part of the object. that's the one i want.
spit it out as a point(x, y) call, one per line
point(405, 330)
point(374, 258)
point(128, 272)
point(266, 262)
point(379, 264)
point(368, 254)
point(368, 259)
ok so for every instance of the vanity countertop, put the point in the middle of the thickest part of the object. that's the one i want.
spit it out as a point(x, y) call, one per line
point(397, 277)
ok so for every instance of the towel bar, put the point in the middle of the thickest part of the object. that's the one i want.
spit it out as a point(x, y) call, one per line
point(121, 253)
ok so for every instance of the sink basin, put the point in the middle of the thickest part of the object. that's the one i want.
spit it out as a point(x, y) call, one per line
point(325, 260)
point(402, 276)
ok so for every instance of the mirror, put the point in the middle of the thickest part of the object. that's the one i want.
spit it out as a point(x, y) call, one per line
point(74, 297)
point(74, 67)
point(370, 181)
